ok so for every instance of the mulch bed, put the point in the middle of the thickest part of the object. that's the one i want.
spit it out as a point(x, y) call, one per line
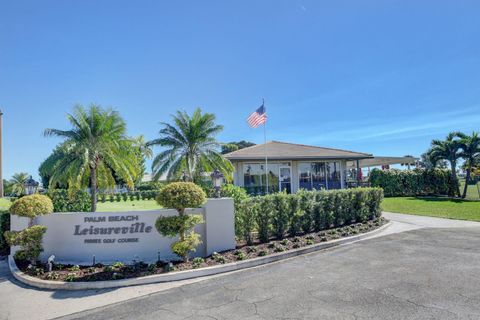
point(100, 272)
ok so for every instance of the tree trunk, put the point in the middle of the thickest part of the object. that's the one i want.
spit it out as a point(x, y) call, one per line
point(93, 188)
point(467, 180)
point(453, 165)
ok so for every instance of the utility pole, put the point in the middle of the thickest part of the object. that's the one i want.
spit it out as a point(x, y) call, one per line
point(1, 155)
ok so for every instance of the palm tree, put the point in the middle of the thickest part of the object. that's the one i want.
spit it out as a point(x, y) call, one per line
point(191, 147)
point(470, 153)
point(449, 150)
point(18, 181)
point(94, 149)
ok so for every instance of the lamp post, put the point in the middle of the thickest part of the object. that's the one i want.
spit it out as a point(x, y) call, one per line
point(31, 186)
point(217, 179)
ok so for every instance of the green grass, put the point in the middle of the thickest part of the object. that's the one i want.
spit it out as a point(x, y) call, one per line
point(472, 191)
point(5, 203)
point(127, 206)
point(434, 207)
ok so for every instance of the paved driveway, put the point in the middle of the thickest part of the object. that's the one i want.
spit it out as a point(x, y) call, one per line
point(430, 273)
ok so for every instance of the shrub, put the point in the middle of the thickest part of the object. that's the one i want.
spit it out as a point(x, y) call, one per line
point(118, 197)
point(32, 206)
point(265, 211)
point(111, 198)
point(281, 214)
point(320, 210)
point(4, 226)
point(175, 225)
point(132, 196)
point(30, 241)
point(197, 262)
point(296, 222)
point(73, 201)
point(245, 218)
point(124, 196)
point(399, 183)
point(306, 202)
point(181, 195)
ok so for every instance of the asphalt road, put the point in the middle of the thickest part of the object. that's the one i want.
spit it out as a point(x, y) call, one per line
point(419, 274)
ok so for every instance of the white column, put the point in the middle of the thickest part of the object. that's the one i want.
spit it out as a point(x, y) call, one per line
point(219, 225)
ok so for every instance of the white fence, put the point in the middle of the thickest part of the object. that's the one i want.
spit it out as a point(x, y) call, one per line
point(124, 236)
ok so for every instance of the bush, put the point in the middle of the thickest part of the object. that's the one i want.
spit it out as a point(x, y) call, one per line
point(265, 211)
point(189, 244)
point(181, 195)
point(281, 214)
point(275, 214)
point(124, 196)
point(32, 206)
point(4, 226)
point(173, 226)
point(30, 241)
point(400, 183)
point(245, 220)
point(65, 201)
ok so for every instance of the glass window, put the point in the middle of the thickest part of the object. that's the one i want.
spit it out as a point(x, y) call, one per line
point(333, 175)
point(254, 179)
point(312, 175)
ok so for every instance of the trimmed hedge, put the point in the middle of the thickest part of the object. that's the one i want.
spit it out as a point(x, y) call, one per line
point(417, 182)
point(4, 226)
point(63, 201)
point(306, 211)
point(32, 206)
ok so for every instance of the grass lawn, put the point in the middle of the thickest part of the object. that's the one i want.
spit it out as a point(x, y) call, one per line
point(127, 206)
point(5, 204)
point(472, 191)
point(434, 207)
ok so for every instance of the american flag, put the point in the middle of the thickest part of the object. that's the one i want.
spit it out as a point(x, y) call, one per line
point(258, 117)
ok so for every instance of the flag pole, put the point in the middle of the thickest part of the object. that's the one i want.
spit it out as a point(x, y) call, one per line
point(265, 146)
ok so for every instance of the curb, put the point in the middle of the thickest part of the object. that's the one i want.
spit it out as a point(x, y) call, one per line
point(182, 275)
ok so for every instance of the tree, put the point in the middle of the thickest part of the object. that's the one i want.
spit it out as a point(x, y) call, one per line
point(94, 149)
point(448, 149)
point(470, 146)
point(17, 182)
point(191, 147)
point(427, 162)
point(234, 146)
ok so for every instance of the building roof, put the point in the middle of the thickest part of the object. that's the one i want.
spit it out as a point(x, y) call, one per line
point(277, 150)
point(382, 161)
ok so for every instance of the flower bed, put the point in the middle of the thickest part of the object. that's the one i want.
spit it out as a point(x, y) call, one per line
point(119, 270)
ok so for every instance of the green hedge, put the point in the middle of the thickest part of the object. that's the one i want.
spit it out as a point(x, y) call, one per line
point(78, 201)
point(306, 211)
point(398, 183)
point(4, 226)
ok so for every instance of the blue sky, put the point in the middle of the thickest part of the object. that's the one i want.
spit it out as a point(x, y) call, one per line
point(375, 76)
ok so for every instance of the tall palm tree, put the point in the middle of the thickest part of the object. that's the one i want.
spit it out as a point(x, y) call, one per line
point(470, 146)
point(448, 149)
point(94, 149)
point(18, 181)
point(191, 147)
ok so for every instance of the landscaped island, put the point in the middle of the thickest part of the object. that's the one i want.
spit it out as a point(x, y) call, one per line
point(264, 225)
point(119, 270)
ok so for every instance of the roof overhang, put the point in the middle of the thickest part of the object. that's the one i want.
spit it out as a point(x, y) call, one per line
point(383, 161)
